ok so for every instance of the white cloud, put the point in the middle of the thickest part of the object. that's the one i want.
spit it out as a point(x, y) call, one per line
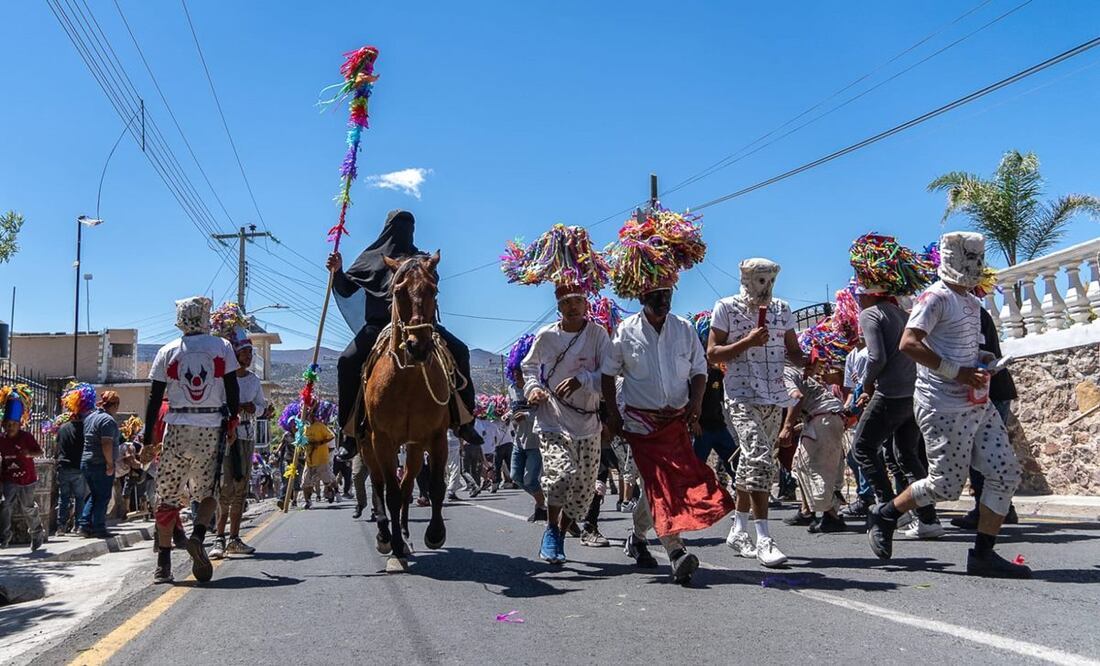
point(405, 180)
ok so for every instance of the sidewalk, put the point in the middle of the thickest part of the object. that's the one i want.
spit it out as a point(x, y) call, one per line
point(1077, 508)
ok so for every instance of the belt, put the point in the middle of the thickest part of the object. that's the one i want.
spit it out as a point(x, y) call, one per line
point(195, 410)
point(829, 413)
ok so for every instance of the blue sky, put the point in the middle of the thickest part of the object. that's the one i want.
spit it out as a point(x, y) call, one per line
point(525, 114)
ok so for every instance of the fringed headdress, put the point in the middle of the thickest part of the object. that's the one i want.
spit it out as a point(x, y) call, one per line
point(651, 251)
point(563, 255)
point(882, 264)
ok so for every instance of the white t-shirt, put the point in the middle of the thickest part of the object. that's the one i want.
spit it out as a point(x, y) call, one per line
point(251, 391)
point(855, 367)
point(756, 376)
point(541, 368)
point(489, 431)
point(953, 325)
point(193, 367)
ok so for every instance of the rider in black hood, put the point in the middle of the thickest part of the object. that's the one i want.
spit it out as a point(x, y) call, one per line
point(370, 274)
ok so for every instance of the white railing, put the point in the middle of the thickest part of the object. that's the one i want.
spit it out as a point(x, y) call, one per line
point(1077, 304)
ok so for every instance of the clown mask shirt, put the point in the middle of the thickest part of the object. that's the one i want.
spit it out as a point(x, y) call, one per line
point(192, 367)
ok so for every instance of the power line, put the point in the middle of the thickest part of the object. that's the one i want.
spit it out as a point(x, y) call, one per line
point(1034, 69)
point(221, 114)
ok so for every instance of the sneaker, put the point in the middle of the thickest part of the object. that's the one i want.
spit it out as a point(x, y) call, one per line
point(638, 551)
point(800, 519)
point(494, 488)
point(857, 509)
point(474, 491)
point(548, 551)
point(451, 497)
point(201, 568)
point(994, 566)
point(921, 530)
point(162, 574)
point(906, 519)
point(238, 547)
point(628, 506)
point(619, 506)
point(593, 539)
point(684, 565)
point(217, 551)
point(741, 543)
point(768, 554)
point(880, 533)
point(538, 516)
point(347, 495)
point(359, 511)
point(1011, 518)
point(559, 546)
point(828, 524)
point(967, 521)
point(307, 505)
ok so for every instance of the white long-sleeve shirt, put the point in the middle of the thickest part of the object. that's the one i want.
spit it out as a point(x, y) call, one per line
point(250, 391)
point(583, 361)
point(656, 367)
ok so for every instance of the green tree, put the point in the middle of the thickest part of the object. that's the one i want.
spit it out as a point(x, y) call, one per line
point(1008, 208)
point(10, 224)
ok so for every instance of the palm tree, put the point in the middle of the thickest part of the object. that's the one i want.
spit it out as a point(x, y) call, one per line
point(1007, 208)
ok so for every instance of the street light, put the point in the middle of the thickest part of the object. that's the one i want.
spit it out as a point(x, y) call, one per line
point(274, 306)
point(88, 302)
point(81, 222)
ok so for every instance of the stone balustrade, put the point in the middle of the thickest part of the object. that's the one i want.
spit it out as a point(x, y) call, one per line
point(1035, 299)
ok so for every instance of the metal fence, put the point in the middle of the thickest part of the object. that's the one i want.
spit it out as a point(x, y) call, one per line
point(811, 314)
point(45, 396)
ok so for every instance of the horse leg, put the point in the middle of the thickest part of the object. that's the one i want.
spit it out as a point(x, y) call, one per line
point(394, 500)
point(436, 534)
point(414, 460)
point(378, 486)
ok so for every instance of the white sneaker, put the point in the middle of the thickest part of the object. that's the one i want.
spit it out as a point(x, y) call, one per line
point(906, 519)
point(768, 553)
point(741, 543)
point(921, 530)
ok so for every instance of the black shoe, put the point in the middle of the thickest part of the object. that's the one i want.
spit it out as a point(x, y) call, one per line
point(538, 516)
point(880, 532)
point(799, 519)
point(162, 574)
point(639, 552)
point(201, 568)
point(857, 509)
point(1012, 518)
point(967, 521)
point(468, 434)
point(358, 512)
point(828, 524)
point(684, 565)
point(994, 566)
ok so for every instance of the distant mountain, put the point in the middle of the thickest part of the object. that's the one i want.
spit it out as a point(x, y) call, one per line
point(302, 356)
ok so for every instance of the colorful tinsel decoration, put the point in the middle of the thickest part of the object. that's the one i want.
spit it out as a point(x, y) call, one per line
point(845, 318)
point(53, 426)
point(879, 261)
point(516, 355)
point(651, 252)
point(20, 392)
point(78, 398)
point(289, 415)
point(826, 343)
point(606, 312)
point(132, 429)
point(563, 255)
point(226, 319)
point(701, 321)
point(359, 78)
point(490, 407)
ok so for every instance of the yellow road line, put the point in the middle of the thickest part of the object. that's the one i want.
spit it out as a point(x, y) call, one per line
point(109, 645)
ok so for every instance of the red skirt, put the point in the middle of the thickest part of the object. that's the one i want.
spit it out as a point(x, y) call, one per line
point(683, 492)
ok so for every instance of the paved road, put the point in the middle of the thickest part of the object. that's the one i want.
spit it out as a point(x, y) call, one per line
point(315, 593)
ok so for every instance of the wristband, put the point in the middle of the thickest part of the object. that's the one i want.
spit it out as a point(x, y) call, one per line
point(947, 369)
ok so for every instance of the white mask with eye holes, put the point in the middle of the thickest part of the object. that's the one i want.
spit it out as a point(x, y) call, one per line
point(758, 279)
point(962, 258)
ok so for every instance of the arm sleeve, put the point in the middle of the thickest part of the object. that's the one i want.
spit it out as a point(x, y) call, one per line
point(590, 379)
point(342, 285)
point(613, 362)
point(876, 348)
point(532, 365)
point(232, 393)
point(719, 318)
point(152, 409)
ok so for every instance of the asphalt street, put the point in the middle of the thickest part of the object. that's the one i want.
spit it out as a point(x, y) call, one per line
point(315, 592)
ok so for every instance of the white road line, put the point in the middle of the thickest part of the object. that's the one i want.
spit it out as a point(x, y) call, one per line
point(1033, 650)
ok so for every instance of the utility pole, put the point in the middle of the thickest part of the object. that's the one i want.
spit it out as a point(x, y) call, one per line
point(242, 267)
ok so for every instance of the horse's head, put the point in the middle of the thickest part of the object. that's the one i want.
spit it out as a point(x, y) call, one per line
point(414, 288)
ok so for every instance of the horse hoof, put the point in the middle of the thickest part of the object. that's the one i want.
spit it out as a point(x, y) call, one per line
point(397, 565)
point(383, 544)
point(435, 538)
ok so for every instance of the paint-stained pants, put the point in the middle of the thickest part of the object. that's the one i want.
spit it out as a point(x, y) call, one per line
point(755, 427)
point(187, 464)
point(643, 523)
point(819, 461)
point(957, 441)
point(569, 468)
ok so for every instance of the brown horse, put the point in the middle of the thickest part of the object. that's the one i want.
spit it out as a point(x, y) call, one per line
point(406, 399)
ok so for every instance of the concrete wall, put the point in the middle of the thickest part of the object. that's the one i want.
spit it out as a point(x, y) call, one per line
point(132, 397)
point(1057, 457)
point(52, 355)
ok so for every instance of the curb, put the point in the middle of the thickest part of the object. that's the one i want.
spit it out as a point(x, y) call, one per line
point(98, 547)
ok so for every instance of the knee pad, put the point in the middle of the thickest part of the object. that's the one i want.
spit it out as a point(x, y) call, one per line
point(168, 516)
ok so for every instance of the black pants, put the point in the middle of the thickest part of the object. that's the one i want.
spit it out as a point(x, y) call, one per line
point(471, 462)
point(502, 460)
point(342, 470)
point(349, 367)
point(883, 420)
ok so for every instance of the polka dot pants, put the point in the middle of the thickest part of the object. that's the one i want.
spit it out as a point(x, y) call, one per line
point(755, 427)
point(957, 441)
point(569, 468)
point(187, 464)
